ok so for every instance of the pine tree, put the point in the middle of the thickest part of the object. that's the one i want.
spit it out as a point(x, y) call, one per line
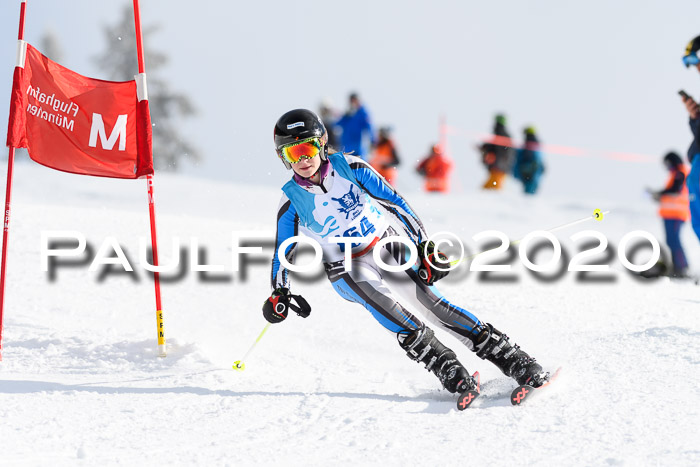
point(168, 108)
point(50, 46)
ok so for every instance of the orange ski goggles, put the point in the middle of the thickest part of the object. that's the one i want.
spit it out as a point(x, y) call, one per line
point(306, 149)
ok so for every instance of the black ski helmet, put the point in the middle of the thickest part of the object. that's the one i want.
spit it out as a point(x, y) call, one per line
point(673, 159)
point(297, 125)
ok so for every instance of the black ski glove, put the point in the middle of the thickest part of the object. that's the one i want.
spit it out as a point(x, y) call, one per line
point(276, 308)
point(427, 271)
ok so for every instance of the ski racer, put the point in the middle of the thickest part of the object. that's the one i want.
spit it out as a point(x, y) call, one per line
point(334, 195)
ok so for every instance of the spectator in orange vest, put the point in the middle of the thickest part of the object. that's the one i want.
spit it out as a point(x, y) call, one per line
point(674, 209)
point(384, 157)
point(436, 169)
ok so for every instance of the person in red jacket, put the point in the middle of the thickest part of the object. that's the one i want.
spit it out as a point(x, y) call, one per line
point(674, 210)
point(436, 169)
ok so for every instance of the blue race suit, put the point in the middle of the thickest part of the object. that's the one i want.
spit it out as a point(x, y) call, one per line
point(353, 200)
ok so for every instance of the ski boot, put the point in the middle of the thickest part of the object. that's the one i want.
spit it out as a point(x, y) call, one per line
point(422, 346)
point(494, 346)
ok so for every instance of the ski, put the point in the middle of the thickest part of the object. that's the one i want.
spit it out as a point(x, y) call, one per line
point(467, 397)
point(525, 391)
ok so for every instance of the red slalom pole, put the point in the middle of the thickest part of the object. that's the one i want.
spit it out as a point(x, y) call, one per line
point(143, 96)
point(10, 170)
point(5, 234)
point(139, 37)
point(443, 134)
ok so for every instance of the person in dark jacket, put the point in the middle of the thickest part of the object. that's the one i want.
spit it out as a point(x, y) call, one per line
point(328, 117)
point(356, 129)
point(497, 155)
point(529, 167)
point(673, 209)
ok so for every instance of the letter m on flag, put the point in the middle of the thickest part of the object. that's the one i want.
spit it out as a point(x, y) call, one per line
point(97, 129)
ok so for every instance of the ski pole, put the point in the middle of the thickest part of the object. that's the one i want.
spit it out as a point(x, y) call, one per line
point(597, 215)
point(239, 365)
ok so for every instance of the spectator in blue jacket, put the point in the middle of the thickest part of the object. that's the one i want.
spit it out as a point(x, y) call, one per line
point(529, 166)
point(693, 179)
point(356, 128)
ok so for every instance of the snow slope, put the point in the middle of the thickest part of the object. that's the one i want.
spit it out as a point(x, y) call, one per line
point(80, 383)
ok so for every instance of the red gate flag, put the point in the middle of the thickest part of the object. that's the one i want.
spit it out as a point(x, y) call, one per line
point(80, 125)
point(77, 124)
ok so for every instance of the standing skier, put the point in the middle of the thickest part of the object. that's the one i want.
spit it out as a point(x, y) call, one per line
point(693, 180)
point(385, 159)
point(436, 169)
point(529, 167)
point(336, 196)
point(328, 118)
point(673, 209)
point(356, 128)
point(497, 155)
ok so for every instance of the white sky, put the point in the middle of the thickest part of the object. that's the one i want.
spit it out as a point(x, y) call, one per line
point(600, 75)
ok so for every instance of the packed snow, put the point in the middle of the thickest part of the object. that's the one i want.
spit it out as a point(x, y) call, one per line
point(81, 383)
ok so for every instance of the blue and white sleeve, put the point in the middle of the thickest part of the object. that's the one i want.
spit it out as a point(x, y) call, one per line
point(287, 227)
point(388, 198)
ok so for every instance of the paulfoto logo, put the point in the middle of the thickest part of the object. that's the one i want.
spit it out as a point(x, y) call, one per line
point(66, 249)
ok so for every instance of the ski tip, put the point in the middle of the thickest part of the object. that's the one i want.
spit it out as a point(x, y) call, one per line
point(466, 399)
point(555, 375)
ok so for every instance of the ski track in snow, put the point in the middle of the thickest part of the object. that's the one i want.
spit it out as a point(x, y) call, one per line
point(80, 383)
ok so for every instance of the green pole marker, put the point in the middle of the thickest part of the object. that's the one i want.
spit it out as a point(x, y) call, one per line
point(239, 365)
